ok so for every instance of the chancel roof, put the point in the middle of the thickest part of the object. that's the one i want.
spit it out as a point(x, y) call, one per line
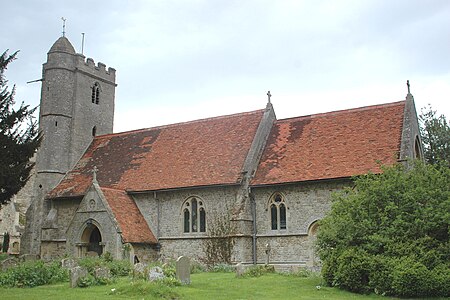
point(198, 153)
point(332, 145)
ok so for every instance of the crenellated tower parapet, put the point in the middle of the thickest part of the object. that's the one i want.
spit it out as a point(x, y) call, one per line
point(87, 65)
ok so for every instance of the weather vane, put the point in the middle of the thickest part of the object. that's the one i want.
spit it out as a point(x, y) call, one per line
point(64, 26)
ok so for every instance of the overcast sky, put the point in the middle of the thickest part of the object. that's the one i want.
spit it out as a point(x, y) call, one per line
point(184, 60)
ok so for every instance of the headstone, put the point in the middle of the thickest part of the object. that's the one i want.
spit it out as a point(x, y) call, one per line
point(139, 270)
point(69, 263)
point(183, 268)
point(75, 274)
point(8, 263)
point(240, 269)
point(102, 273)
point(156, 273)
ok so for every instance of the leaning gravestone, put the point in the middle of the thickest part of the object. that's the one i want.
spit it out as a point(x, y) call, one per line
point(75, 274)
point(183, 268)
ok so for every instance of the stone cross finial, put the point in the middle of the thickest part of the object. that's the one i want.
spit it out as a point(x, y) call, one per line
point(64, 26)
point(407, 84)
point(94, 173)
point(269, 95)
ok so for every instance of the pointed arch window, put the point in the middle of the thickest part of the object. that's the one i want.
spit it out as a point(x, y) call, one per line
point(95, 96)
point(194, 215)
point(277, 207)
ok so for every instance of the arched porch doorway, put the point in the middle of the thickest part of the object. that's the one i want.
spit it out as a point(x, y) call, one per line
point(91, 239)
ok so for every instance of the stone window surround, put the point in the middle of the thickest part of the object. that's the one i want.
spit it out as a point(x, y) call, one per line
point(187, 218)
point(277, 205)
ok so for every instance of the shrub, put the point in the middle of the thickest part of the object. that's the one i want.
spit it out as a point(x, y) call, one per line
point(31, 274)
point(389, 234)
point(119, 267)
point(222, 268)
point(257, 271)
point(353, 271)
point(86, 281)
point(411, 279)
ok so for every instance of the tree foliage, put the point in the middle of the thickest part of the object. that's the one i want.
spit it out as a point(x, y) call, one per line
point(19, 138)
point(435, 132)
point(390, 233)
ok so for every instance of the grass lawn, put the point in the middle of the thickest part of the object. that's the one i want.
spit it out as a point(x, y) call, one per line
point(203, 286)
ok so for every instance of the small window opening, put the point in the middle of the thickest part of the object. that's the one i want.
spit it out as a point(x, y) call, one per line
point(94, 130)
point(56, 123)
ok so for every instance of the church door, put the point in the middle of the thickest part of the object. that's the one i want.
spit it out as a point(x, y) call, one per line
point(93, 238)
point(94, 241)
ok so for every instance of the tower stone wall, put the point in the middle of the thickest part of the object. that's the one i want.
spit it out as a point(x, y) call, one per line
point(77, 103)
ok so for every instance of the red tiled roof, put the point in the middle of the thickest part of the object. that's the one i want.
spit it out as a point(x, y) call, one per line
point(332, 145)
point(133, 225)
point(198, 153)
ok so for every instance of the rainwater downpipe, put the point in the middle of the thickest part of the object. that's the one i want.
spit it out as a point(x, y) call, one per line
point(253, 205)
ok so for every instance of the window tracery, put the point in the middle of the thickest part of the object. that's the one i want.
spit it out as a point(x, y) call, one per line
point(194, 215)
point(277, 207)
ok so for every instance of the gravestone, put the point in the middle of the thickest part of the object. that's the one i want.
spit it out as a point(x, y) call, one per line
point(102, 273)
point(75, 274)
point(139, 270)
point(183, 268)
point(240, 269)
point(68, 263)
point(156, 273)
point(8, 263)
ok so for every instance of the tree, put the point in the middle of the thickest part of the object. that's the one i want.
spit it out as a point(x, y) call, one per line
point(390, 233)
point(19, 139)
point(435, 132)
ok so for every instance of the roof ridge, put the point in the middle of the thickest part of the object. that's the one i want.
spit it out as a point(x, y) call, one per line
point(113, 189)
point(180, 123)
point(336, 112)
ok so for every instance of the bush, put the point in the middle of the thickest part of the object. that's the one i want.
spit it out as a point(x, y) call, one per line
point(222, 268)
point(411, 279)
point(116, 267)
point(31, 274)
point(257, 271)
point(86, 281)
point(389, 234)
point(119, 267)
point(353, 271)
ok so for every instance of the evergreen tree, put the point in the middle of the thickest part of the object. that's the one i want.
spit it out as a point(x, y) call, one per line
point(391, 233)
point(435, 132)
point(19, 138)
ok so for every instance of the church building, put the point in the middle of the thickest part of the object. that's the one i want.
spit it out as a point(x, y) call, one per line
point(162, 192)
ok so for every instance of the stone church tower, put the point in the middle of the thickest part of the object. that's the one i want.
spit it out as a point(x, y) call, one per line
point(77, 103)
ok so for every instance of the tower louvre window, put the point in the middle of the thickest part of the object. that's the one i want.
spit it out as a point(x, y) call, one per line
point(95, 96)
